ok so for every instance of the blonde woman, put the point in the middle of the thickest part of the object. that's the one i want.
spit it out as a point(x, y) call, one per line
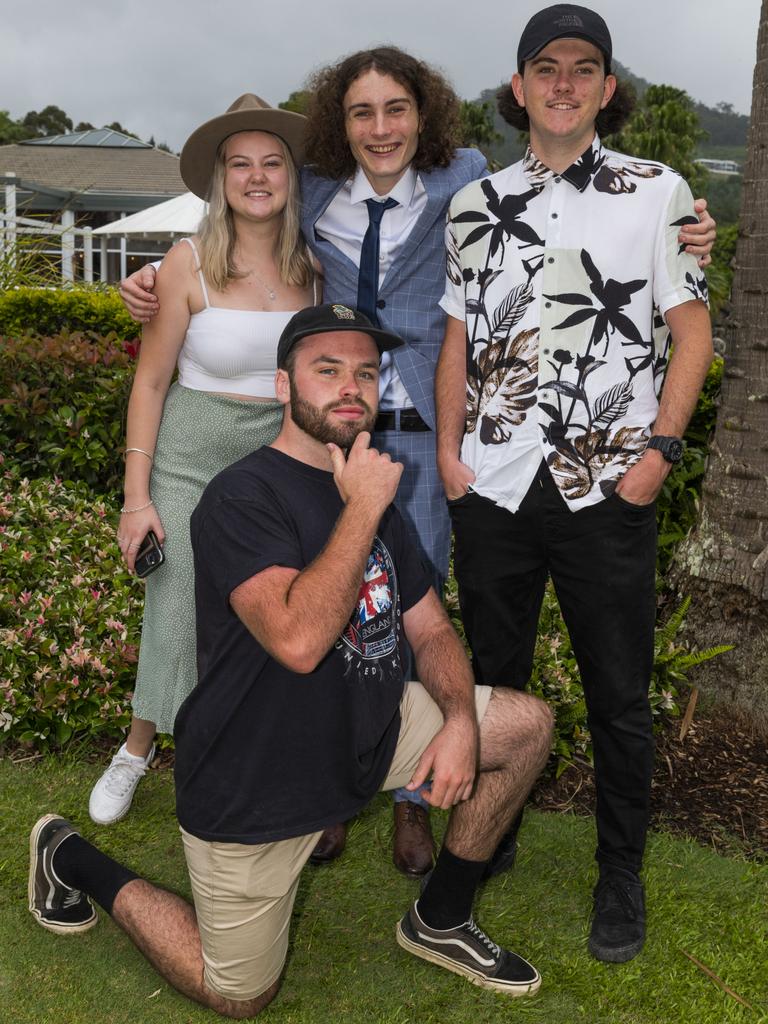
point(225, 296)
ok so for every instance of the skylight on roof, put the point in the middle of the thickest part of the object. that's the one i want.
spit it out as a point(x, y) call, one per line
point(104, 138)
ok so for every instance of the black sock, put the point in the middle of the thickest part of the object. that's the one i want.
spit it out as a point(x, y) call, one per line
point(448, 895)
point(81, 866)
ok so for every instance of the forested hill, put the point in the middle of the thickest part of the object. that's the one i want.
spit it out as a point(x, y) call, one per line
point(726, 130)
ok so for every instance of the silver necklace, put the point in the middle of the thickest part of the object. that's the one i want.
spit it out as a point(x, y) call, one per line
point(266, 288)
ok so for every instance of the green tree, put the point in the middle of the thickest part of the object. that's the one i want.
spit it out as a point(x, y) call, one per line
point(297, 102)
point(84, 126)
point(10, 130)
point(477, 127)
point(52, 120)
point(665, 127)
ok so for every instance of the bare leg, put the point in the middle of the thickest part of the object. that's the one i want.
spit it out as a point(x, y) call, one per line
point(515, 739)
point(163, 926)
point(140, 737)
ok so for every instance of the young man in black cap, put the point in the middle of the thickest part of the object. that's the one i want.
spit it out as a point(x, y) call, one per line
point(567, 287)
point(307, 590)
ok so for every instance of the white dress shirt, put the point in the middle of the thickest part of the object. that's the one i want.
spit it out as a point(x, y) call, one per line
point(345, 223)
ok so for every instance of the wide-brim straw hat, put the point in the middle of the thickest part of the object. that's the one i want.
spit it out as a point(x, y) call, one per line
point(249, 113)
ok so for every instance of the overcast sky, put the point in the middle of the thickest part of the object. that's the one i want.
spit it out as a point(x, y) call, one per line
point(162, 68)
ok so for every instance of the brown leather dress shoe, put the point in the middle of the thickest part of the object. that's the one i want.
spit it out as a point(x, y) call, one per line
point(414, 847)
point(330, 845)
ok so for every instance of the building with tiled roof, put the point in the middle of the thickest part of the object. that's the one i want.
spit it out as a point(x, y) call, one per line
point(99, 170)
point(90, 178)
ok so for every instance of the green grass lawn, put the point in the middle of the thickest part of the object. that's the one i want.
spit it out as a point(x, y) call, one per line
point(344, 964)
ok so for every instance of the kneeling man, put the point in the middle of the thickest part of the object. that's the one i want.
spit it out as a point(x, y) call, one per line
point(307, 590)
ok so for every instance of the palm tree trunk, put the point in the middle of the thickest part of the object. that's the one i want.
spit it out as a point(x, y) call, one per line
point(724, 563)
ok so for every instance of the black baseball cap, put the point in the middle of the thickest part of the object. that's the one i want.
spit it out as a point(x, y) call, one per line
point(332, 316)
point(564, 21)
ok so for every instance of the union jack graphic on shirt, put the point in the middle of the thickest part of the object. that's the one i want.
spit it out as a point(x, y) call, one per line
point(372, 632)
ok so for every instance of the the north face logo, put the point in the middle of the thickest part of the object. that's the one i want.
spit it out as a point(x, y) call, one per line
point(569, 21)
point(343, 312)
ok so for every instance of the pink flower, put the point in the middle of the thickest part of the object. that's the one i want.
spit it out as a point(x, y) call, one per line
point(75, 681)
point(25, 597)
point(25, 556)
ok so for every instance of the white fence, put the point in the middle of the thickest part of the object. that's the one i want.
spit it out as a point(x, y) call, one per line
point(66, 239)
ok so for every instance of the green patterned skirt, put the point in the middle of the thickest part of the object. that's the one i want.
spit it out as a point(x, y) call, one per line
point(200, 435)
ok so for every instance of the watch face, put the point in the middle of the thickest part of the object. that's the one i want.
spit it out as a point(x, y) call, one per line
point(674, 450)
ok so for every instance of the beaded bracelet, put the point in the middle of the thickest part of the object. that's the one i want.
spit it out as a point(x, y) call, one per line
point(139, 508)
point(140, 451)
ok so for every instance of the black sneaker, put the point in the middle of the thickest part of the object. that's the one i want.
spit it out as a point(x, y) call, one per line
point(467, 950)
point(52, 903)
point(618, 921)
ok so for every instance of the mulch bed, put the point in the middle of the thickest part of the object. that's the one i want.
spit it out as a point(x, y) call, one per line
point(711, 786)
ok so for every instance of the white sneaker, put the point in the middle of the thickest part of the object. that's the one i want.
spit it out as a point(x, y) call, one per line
point(111, 796)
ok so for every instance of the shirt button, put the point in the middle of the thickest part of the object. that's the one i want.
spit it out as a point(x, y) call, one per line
point(380, 304)
point(381, 257)
point(558, 179)
point(551, 259)
point(548, 305)
point(545, 351)
point(554, 216)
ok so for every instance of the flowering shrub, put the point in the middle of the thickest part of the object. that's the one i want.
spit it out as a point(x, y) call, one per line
point(63, 405)
point(70, 615)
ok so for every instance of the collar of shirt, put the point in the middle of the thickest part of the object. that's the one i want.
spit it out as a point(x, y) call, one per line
point(361, 189)
point(579, 174)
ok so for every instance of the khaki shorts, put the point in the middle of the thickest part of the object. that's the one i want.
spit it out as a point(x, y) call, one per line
point(244, 893)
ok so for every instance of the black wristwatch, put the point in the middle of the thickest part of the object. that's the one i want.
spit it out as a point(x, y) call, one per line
point(671, 448)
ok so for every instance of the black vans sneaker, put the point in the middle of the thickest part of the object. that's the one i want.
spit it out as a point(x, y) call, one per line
point(467, 950)
point(52, 903)
point(618, 918)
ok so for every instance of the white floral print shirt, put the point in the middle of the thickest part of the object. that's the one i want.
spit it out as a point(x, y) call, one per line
point(563, 281)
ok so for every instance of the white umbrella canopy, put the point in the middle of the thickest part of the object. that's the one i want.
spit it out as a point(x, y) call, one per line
point(178, 216)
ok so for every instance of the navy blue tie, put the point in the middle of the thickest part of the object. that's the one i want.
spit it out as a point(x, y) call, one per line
point(368, 279)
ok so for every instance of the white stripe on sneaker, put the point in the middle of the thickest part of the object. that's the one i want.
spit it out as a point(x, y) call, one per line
point(457, 942)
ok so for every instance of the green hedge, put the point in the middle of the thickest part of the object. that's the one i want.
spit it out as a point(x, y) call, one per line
point(63, 407)
point(47, 311)
point(69, 618)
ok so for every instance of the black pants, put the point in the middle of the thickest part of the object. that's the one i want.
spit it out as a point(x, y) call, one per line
point(602, 562)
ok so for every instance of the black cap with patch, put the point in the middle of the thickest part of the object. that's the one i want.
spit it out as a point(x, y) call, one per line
point(564, 21)
point(332, 316)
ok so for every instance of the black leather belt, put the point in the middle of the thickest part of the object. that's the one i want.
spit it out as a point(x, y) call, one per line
point(409, 420)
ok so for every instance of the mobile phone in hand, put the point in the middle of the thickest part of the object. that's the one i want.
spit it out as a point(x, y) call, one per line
point(150, 555)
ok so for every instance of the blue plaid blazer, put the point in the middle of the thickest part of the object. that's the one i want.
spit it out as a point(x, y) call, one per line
point(415, 282)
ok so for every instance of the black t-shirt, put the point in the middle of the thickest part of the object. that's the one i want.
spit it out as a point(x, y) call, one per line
point(263, 753)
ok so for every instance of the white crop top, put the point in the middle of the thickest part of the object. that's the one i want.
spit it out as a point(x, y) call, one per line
point(233, 351)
